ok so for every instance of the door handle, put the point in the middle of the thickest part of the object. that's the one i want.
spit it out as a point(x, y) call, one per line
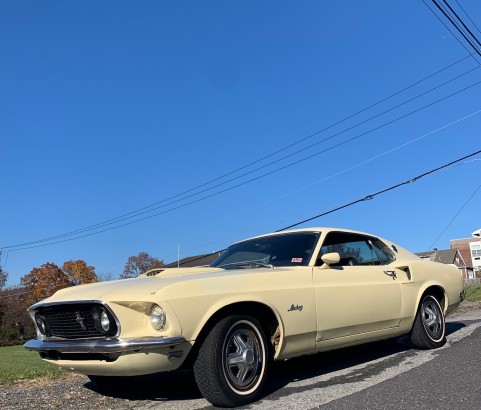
point(391, 273)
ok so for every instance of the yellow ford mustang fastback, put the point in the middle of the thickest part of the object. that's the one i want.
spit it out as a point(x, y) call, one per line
point(271, 297)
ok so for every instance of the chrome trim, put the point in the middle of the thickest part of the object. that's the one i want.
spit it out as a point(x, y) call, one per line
point(69, 302)
point(103, 346)
point(33, 309)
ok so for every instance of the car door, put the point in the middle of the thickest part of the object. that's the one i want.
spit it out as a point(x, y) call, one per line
point(361, 293)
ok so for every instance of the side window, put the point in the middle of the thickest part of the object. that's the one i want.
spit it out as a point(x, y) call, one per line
point(356, 249)
point(382, 251)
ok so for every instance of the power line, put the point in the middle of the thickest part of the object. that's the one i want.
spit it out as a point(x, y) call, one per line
point(467, 15)
point(121, 217)
point(50, 242)
point(463, 24)
point(375, 194)
point(447, 28)
point(350, 168)
point(139, 211)
point(456, 26)
point(53, 240)
point(371, 196)
point(363, 162)
point(455, 216)
point(383, 191)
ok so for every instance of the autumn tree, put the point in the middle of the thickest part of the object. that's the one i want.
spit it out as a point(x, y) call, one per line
point(139, 264)
point(79, 273)
point(43, 282)
point(15, 323)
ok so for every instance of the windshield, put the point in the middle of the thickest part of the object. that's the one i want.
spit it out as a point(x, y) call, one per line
point(290, 249)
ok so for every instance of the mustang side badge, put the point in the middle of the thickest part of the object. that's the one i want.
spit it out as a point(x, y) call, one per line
point(295, 307)
point(391, 273)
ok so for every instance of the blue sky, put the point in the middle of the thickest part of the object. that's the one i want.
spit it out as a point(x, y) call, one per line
point(109, 107)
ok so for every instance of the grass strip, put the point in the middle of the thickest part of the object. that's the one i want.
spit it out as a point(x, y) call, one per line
point(473, 294)
point(17, 363)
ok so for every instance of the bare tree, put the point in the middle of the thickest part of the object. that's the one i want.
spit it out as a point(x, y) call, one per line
point(139, 264)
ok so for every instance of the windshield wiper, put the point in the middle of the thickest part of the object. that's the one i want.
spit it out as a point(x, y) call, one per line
point(245, 263)
point(263, 264)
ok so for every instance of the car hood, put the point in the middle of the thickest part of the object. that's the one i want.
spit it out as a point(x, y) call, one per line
point(140, 288)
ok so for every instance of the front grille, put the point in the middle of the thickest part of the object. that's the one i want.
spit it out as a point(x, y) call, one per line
point(71, 321)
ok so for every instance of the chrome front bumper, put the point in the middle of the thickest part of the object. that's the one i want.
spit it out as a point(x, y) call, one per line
point(103, 346)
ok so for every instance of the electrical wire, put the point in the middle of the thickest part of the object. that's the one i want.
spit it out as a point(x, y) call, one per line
point(467, 15)
point(463, 24)
point(53, 240)
point(455, 216)
point(382, 191)
point(444, 12)
point(371, 196)
point(447, 28)
point(350, 168)
point(136, 212)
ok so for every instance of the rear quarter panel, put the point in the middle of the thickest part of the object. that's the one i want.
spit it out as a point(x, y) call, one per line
point(426, 275)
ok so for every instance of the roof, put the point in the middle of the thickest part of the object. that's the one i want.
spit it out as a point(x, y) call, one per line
point(447, 256)
point(196, 260)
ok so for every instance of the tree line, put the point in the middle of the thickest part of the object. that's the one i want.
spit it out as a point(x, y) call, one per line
point(42, 282)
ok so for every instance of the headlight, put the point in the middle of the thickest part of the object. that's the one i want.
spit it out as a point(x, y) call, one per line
point(41, 324)
point(103, 321)
point(157, 317)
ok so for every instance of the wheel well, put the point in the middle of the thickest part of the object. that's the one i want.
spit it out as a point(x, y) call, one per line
point(261, 312)
point(438, 293)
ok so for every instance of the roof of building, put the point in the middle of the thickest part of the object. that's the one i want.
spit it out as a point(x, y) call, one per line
point(442, 256)
point(196, 260)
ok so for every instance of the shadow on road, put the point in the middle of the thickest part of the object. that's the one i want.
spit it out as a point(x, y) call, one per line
point(173, 386)
point(453, 327)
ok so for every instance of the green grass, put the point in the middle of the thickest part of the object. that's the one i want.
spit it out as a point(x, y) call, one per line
point(17, 363)
point(473, 294)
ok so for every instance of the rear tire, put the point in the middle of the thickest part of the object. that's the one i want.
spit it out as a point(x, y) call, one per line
point(429, 329)
point(232, 363)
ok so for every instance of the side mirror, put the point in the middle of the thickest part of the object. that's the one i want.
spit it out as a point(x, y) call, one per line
point(330, 259)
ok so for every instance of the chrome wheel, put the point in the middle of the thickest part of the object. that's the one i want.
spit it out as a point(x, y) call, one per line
point(233, 361)
point(429, 327)
point(243, 357)
point(432, 318)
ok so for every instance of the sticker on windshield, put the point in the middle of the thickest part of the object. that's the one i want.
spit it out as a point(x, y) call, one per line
point(296, 260)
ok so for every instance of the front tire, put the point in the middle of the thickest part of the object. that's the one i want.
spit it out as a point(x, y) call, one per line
point(232, 363)
point(429, 329)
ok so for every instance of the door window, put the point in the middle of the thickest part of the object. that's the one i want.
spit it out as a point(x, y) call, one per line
point(356, 249)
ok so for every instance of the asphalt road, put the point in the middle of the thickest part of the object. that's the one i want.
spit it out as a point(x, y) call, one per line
point(383, 375)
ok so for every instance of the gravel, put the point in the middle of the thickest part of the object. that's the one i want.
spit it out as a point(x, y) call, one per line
point(78, 392)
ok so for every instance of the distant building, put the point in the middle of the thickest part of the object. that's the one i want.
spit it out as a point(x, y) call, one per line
point(470, 249)
point(449, 256)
